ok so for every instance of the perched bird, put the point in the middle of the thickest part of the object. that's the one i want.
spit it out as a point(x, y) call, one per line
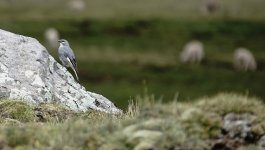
point(67, 56)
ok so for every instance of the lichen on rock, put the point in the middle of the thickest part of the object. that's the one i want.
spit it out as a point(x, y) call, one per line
point(29, 73)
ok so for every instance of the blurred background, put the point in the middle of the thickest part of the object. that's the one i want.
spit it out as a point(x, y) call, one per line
point(125, 48)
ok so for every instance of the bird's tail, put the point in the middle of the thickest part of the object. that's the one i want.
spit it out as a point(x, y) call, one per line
point(74, 69)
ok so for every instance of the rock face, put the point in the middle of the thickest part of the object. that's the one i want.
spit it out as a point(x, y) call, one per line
point(236, 131)
point(261, 142)
point(238, 125)
point(29, 73)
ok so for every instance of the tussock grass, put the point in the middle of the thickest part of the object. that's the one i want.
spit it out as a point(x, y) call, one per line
point(16, 110)
point(147, 124)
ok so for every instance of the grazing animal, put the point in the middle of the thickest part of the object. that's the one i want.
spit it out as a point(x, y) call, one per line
point(77, 5)
point(244, 60)
point(51, 36)
point(67, 56)
point(212, 6)
point(193, 52)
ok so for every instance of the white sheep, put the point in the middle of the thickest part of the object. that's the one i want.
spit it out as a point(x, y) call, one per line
point(193, 52)
point(244, 60)
point(52, 36)
point(77, 5)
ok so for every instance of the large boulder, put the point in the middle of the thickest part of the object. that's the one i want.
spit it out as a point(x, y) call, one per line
point(29, 73)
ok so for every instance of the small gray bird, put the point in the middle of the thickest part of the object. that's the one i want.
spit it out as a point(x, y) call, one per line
point(67, 56)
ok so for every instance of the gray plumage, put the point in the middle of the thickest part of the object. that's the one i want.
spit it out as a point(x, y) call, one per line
point(67, 56)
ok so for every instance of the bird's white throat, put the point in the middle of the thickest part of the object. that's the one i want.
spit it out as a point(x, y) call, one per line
point(61, 45)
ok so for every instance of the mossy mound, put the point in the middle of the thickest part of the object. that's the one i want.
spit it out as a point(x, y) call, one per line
point(19, 111)
point(146, 125)
point(16, 110)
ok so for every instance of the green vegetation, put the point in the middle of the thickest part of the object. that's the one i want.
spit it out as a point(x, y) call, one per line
point(127, 9)
point(119, 59)
point(147, 124)
point(124, 46)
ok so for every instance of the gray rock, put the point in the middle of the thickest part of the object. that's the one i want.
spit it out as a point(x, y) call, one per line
point(236, 131)
point(261, 141)
point(238, 125)
point(29, 73)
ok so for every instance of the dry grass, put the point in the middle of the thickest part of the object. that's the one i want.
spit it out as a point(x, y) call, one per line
point(147, 124)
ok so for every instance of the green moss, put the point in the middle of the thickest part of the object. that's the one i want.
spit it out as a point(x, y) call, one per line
point(53, 113)
point(16, 110)
point(226, 103)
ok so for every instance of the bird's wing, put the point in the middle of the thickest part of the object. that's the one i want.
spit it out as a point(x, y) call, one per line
point(68, 53)
point(74, 69)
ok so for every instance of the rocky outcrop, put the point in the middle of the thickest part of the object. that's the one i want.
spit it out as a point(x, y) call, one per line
point(29, 73)
point(236, 131)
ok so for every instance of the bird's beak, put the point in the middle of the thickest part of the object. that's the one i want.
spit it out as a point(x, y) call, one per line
point(59, 41)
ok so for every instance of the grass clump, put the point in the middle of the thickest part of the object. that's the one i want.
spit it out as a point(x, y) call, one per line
point(16, 110)
point(148, 124)
point(223, 104)
point(52, 113)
